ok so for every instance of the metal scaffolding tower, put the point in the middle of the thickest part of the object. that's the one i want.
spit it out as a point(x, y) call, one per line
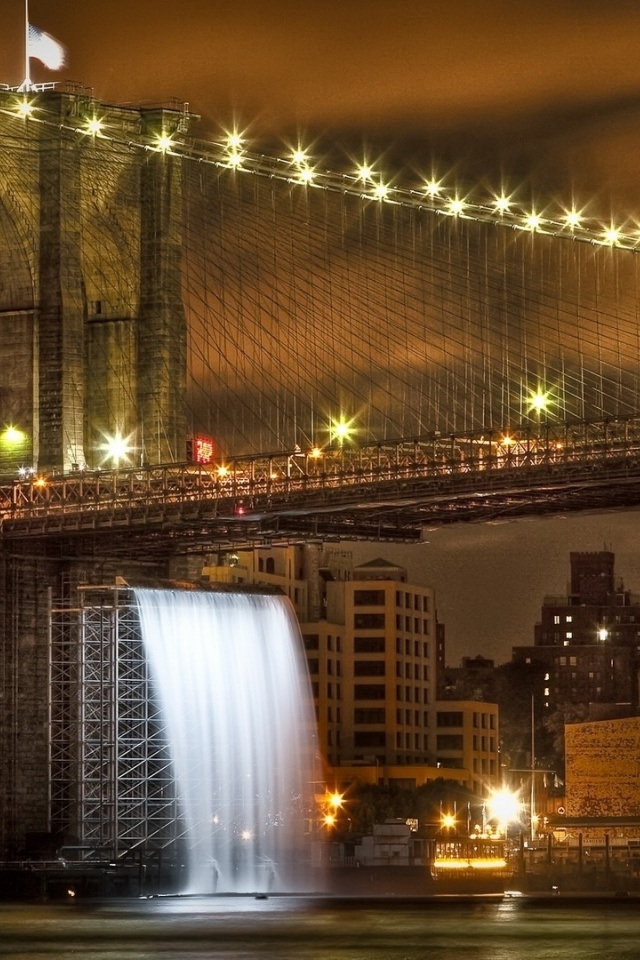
point(112, 788)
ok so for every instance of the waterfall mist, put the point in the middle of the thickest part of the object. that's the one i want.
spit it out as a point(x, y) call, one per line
point(232, 681)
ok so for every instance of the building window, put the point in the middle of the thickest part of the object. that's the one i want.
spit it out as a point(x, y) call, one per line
point(311, 641)
point(556, 619)
point(368, 598)
point(450, 718)
point(368, 645)
point(369, 691)
point(369, 668)
point(449, 741)
point(368, 621)
point(369, 715)
point(369, 738)
point(569, 619)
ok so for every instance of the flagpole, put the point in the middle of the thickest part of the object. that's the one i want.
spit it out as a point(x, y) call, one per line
point(27, 72)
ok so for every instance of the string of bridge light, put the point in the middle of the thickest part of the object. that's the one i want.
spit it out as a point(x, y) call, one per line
point(364, 182)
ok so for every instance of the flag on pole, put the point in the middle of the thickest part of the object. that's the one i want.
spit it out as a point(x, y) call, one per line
point(45, 49)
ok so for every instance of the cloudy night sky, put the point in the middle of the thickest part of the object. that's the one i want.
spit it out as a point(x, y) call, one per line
point(545, 91)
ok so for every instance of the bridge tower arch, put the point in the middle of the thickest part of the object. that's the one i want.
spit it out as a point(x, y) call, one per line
point(91, 306)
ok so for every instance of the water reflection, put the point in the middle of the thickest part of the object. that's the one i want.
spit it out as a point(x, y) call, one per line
point(308, 929)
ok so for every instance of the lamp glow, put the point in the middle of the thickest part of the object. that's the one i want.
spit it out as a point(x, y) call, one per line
point(341, 430)
point(94, 126)
point(13, 437)
point(164, 142)
point(117, 449)
point(456, 206)
point(381, 191)
point(539, 401)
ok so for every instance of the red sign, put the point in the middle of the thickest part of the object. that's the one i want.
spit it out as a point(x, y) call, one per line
point(201, 449)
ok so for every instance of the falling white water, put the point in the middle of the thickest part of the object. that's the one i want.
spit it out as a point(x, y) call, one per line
point(233, 686)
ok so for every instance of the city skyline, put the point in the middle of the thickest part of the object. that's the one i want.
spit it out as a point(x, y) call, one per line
point(488, 593)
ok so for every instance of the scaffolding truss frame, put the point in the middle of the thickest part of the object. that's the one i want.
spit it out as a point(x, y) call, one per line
point(112, 788)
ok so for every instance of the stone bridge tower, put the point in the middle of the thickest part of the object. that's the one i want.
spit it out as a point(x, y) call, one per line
point(92, 326)
point(93, 346)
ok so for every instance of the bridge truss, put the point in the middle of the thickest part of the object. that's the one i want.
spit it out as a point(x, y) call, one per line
point(112, 789)
point(383, 491)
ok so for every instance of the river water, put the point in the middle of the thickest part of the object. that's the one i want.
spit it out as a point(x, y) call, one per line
point(291, 928)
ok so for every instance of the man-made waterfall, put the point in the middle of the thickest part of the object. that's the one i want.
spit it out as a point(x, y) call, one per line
point(232, 681)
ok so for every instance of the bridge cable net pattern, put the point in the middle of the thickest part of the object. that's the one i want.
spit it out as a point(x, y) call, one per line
point(311, 301)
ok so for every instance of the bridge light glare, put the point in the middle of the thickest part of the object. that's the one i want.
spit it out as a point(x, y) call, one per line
point(163, 142)
point(432, 188)
point(539, 401)
point(573, 219)
point(234, 141)
point(381, 191)
point(24, 109)
point(94, 127)
point(507, 441)
point(502, 204)
point(364, 172)
point(306, 175)
point(235, 160)
point(13, 437)
point(456, 206)
point(117, 449)
point(341, 430)
point(611, 236)
point(299, 157)
point(40, 482)
point(603, 634)
point(533, 221)
point(222, 471)
point(315, 453)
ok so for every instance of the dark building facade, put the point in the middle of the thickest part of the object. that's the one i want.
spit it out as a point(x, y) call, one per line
point(588, 640)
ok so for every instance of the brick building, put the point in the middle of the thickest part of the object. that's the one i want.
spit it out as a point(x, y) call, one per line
point(588, 639)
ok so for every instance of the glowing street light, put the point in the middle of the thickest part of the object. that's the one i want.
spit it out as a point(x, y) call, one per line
point(164, 142)
point(603, 634)
point(117, 449)
point(94, 127)
point(340, 430)
point(447, 821)
point(539, 401)
point(504, 806)
point(13, 437)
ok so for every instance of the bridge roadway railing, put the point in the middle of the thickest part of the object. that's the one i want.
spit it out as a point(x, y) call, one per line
point(435, 464)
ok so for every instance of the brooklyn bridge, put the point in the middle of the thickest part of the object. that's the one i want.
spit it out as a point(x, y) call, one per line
point(206, 347)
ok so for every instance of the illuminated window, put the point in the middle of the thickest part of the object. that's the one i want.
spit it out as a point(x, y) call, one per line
point(569, 619)
point(556, 619)
point(569, 635)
